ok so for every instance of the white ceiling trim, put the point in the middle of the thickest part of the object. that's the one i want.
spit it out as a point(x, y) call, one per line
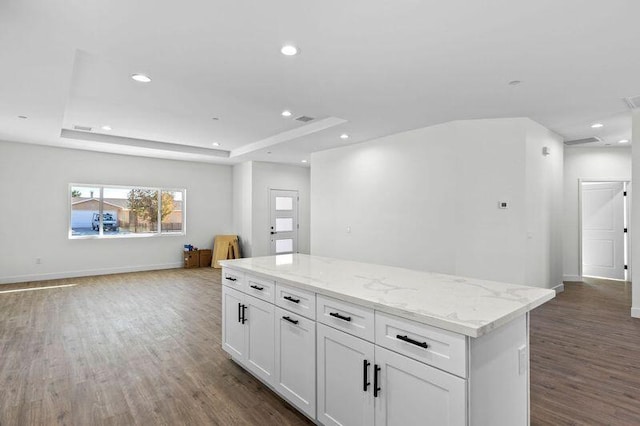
point(299, 132)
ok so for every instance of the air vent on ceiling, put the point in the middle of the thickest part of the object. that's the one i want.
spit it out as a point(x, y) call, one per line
point(633, 102)
point(582, 141)
point(304, 118)
point(83, 128)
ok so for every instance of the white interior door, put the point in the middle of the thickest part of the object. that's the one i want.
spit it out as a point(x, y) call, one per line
point(603, 230)
point(283, 231)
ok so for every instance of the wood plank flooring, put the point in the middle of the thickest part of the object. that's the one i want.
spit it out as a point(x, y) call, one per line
point(585, 357)
point(144, 349)
point(128, 349)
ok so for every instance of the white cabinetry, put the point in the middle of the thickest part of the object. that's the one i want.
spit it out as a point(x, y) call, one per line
point(412, 393)
point(343, 363)
point(360, 383)
point(345, 368)
point(295, 374)
point(248, 332)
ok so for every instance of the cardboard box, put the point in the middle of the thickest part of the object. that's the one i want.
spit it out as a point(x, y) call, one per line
point(192, 259)
point(205, 257)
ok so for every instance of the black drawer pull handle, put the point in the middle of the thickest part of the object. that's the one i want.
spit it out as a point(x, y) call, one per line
point(257, 287)
point(240, 312)
point(342, 317)
point(376, 388)
point(413, 342)
point(230, 278)
point(244, 318)
point(291, 299)
point(365, 375)
point(292, 321)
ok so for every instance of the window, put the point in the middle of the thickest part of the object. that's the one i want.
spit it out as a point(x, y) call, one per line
point(120, 211)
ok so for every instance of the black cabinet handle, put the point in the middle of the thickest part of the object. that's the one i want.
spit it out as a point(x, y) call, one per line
point(413, 342)
point(342, 317)
point(230, 278)
point(244, 318)
point(239, 312)
point(291, 299)
point(365, 375)
point(292, 321)
point(376, 388)
point(257, 287)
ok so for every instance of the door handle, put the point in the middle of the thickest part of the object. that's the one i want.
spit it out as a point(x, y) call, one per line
point(342, 317)
point(239, 312)
point(257, 287)
point(230, 278)
point(244, 309)
point(272, 233)
point(292, 321)
point(413, 342)
point(376, 388)
point(291, 299)
point(365, 375)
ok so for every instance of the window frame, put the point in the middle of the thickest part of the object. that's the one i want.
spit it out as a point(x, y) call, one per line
point(101, 235)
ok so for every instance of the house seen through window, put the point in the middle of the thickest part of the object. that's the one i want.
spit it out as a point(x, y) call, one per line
point(121, 211)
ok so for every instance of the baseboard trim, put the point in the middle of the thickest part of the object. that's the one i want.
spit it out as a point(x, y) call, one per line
point(559, 288)
point(572, 278)
point(635, 312)
point(87, 273)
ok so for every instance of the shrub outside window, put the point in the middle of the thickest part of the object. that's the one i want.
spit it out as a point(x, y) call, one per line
point(125, 211)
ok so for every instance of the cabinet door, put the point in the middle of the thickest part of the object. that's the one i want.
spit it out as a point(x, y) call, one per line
point(344, 398)
point(412, 393)
point(260, 348)
point(295, 374)
point(233, 331)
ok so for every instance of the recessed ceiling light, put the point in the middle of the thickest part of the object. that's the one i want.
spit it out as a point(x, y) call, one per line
point(597, 125)
point(289, 50)
point(514, 82)
point(286, 113)
point(344, 136)
point(623, 141)
point(107, 128)
point(215, 144)
point(304, 161)
point(24, 117)
point(141, 78)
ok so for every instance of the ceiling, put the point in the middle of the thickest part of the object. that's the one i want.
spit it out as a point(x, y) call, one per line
point(365, 68)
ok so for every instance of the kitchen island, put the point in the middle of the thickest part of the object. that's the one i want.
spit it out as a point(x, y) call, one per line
point(361, 344)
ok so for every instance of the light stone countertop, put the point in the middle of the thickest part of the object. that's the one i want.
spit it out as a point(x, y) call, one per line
point(468, 306)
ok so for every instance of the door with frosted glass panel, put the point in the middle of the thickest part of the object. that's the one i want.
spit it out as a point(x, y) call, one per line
point(283, 231)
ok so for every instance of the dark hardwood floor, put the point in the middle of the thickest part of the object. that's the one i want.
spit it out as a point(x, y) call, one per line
point(585, 357)
point(144, 348)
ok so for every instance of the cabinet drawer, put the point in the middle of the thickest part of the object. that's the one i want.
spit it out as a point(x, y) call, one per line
point(295, 300)
point(444, 349)
point(350, 318)
point(233, 278)
point(260, 288)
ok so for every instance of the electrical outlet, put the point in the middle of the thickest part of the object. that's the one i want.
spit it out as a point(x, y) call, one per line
point(522, 360)
point(503, 205)
point(38, 260)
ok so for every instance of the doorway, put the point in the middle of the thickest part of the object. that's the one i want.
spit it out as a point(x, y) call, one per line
point(604, 229)
point(283, 222)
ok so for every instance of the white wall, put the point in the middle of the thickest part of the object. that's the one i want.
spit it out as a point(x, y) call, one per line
point(35, 213)
point(242, 201)
point(268, 176)
point(543, 206)
point(252, 183)
point(428, 199)
point(586, 163)
point(635, 218)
